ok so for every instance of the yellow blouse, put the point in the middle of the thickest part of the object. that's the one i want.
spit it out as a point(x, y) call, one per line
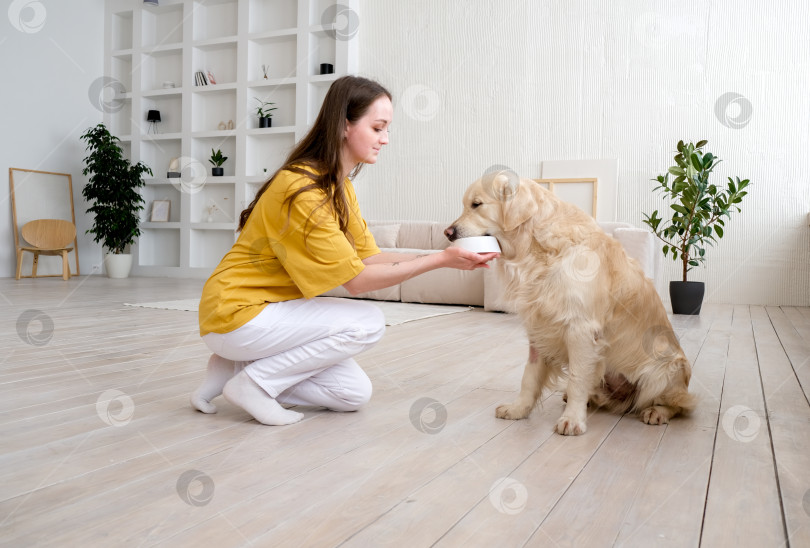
point(277, 260)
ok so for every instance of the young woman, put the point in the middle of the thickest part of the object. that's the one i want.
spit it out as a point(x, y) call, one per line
point(274, 341)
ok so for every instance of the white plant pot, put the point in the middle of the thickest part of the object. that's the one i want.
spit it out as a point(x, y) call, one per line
point(118, 265)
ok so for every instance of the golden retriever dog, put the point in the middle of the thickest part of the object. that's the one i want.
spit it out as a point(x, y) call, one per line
point(593, 319)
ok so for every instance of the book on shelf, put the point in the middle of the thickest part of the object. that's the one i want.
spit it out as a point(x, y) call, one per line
point(200, 79)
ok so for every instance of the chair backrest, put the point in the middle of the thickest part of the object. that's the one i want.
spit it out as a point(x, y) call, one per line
point(49, 233)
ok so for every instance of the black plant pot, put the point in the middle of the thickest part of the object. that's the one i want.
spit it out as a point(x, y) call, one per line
point(217, 171)
point(686, 297)
point(265, 122)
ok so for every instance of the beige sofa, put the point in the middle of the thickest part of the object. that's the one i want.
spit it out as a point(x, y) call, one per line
point(477, 287)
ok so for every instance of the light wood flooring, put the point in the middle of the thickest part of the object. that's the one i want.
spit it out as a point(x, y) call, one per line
point(101, 448)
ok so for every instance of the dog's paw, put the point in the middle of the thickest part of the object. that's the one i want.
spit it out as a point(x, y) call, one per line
point(511, 412)
point(655, 415)
point(568, 426)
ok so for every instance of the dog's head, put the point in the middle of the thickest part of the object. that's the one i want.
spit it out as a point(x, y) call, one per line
point(495, 205)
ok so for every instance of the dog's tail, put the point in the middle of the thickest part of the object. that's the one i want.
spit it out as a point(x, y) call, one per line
point(670, 389)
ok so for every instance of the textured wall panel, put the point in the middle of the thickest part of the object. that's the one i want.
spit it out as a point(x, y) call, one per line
point(514, 83)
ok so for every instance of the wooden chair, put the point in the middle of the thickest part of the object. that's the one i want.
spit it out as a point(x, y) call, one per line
point(47, 237)
point(44, 201)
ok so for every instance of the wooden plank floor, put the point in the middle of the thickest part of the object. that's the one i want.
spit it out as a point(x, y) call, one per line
point(101, 448)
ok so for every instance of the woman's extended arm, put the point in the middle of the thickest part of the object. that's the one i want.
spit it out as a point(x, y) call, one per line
point(387, 269)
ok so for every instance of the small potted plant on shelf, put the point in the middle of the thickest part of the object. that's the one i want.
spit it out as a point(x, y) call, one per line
point(265, 113)
point(112, 189)
point(698, 208)
point(217, 159)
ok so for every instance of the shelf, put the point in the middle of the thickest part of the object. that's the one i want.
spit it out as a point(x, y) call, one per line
point(159, 67)
point(214, 42)
point(214, 88)
point(162, 25)
point(277, 53)
point(207, 247)
point(159, 136)
point(147, 225)
point(121, 119)
point(217, 60)
point(165, 92)
point(272, 82)
point(201, 151)
point(259, 36)
point(122, 31)
point(322, 49)
point(216, 201)
point(271, 130)
point(158, 153)
point(323, 12)
point(214, 226)
point(215, 19)
point(267, 151)
point(165, 48)
point(159, 247)
point(147, 46)
point(217, 133)
point(121, 67)
point(272, 15)
point(220, 179)
point(209, 110)
point(282, 97)
point(170, 107)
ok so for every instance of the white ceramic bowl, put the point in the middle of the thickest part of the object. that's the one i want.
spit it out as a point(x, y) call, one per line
point(479, 244)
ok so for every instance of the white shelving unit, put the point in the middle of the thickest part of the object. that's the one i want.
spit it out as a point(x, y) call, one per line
point(147, 46)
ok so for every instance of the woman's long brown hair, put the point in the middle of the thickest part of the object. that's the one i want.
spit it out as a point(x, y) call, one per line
point(348, 99)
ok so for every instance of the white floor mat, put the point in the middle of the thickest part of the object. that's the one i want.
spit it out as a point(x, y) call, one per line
point(395, 312)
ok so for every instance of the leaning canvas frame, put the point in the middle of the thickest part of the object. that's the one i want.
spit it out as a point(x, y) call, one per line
point(161, 210)
point(554, 185)
point(41, 195)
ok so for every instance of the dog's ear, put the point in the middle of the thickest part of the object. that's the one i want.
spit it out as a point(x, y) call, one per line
point(518, 205)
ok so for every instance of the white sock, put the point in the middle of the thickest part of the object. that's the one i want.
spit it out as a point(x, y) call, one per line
point(243, 391)
point(218, 373)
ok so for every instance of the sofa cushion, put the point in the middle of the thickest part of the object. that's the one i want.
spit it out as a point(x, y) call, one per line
point(385, 234)
point(445, 286)
point(437, 238)
point(415, 235)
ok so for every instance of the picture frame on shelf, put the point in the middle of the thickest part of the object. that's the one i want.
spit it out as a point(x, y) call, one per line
point(160, 211)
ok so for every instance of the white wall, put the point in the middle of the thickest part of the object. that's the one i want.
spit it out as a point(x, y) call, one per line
point(51, 52)
point(485, 82)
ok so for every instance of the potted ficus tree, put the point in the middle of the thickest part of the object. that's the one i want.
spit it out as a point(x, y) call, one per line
point(698, 209)
point(265, 113)
point(112, 191)
point(217, 159)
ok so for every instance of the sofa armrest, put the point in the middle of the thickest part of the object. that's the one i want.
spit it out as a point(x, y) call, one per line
point(640, 245)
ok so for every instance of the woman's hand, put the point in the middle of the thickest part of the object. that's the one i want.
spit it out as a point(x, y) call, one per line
point(463, 259)
point(378, 274)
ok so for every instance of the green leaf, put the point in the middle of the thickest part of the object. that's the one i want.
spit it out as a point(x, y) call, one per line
point(676, 171)
point(680, 209)
point(701, 144)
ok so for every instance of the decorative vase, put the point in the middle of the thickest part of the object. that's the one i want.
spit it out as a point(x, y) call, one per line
point(217, 171)
point(118, 265)
point(686, 297)
point(265, 122)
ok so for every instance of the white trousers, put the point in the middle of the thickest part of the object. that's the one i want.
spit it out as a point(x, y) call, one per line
point(300, 351)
